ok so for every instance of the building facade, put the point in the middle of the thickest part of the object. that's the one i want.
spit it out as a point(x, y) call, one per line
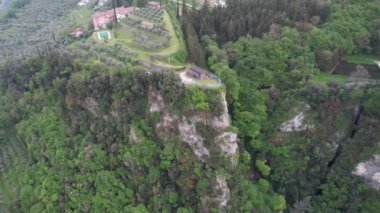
point(101, 19)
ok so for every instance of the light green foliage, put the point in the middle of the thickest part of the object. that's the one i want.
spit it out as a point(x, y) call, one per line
point(76, 119)
point(46, 135)
point(247, 124)
point(91, 158)
point(254, 199)
point(169, 153)
point(262, 167)
point(348, 27)
point(184, 210)
point(143, 152)
point(138, 209)
point(264, 185)
point(110, 192)
point(372, 104)
point(198, 99)
point(278, 202)
point(362, 59)
point(261, 61)
point(219, 65)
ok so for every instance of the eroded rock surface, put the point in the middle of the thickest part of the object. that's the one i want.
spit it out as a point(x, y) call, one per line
point(370, 170)
point(296, 124)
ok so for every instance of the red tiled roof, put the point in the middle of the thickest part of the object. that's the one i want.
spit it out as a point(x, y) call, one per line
point(124, 10)
point(119, 11)
point(102, 13)
point(154, 3)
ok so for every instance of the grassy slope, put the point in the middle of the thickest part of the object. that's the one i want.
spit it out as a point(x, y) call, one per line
point(80, 15)
point(362, 59)
point(122, 36)
point(325, 77)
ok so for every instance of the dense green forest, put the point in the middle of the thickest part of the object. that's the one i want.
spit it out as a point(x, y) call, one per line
point(95, 137)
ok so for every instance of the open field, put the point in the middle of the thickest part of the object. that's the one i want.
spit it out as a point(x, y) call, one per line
point(325, 77)
point(158, 47)
point(362, 59)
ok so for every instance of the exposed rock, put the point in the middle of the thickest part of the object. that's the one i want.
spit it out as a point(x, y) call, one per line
point(167, 126)
point(186, 128)
point(101, 3)
point(296, 124)
point(224, 120)
point(83, 2)
point(190, 136)
point(133, 136)
point(223, 187)
point(378, 63)
point(370, 170)
point(186, 79)
point(221, 194)
point(228, 144)
point(156, 102)
point(91, 104)
point(221, 122)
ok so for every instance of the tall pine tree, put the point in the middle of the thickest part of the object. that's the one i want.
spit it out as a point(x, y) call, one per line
point(196, 54)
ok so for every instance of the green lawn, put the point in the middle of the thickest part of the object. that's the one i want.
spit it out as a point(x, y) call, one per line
point(325, 77)
point(362, 59)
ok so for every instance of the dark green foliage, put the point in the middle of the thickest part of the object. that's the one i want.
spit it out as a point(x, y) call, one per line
point(93, 145)
point(194, 48)
point(372, 104)
point(78, 129)
point(255, 17)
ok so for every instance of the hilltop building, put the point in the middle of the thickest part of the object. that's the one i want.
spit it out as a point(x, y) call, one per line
point(200, 74)
point(153, 4)
point(101, 19)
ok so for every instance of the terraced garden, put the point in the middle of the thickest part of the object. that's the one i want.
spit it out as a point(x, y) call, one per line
point(146, 36)
point(37, 27)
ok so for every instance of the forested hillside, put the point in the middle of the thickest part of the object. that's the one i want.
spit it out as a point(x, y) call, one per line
point(87, 127)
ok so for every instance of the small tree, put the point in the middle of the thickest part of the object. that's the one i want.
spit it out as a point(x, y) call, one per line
point(360, 74)
point(262, 167)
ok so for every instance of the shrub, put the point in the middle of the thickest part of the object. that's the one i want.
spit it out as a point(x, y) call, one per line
point(262, 167)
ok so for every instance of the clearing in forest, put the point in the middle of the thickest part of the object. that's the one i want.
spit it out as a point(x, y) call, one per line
point(146, 35)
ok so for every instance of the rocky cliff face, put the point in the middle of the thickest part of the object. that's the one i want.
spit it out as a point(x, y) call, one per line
point(186, 128)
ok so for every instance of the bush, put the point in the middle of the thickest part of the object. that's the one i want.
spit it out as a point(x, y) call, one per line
point(262, 167)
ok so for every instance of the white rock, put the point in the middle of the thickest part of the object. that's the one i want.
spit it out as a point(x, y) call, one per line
point(156, 102)
point(370, 171)
point(83, 2)
point(101, 3)
point(228, 144)
point(190, 136)
point(222, 186)
point(378, 63)
point(296, 123)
